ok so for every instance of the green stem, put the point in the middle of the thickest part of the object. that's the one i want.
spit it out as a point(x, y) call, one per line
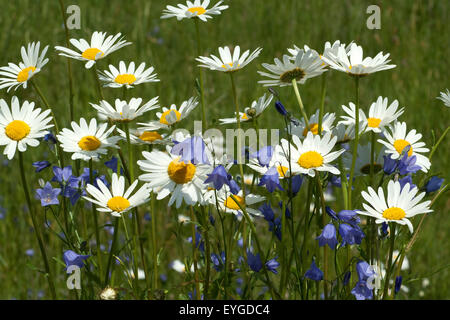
point(94, 215)
point(155, 248)
point(300, 102)
point(194, 256)
point(325, 252)
point(355, 144)
point(69, 67)
point(202, 94)
point(111, 252)
point(389, 264)
point(97, 81)
point(322, 100)
point(37, 229)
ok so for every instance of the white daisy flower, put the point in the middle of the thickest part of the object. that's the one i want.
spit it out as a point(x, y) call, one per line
point(380, 115)
point(196, 9)
point(87, 142)
point(254, 111)
point(398, 139)
point(313, 154)
point(302, 130)
point(124, 111)
point(166, 174)
point(228, 62)
point(349, 119)
point(170, 116)
point(445, 97)
point(362, 164)
point(21, 126)
point(98, 49)
point(401, 204)
point(328, 51)
point(117, 201)
point(307, 64)
point(344, 133)
point(353, 63)
point(128, 77)
point(279, 161)
point(228, 205)
point(179, 266)
point(15, 76)
point(145, 137)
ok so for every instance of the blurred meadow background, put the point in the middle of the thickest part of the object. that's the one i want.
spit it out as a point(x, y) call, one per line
point(415, 33)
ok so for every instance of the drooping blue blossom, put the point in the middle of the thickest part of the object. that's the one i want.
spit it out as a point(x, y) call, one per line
point(350, 235)
point(328, 236)
point(218, 261)
point(335, 180)
point(346, 279)
point(48, 195)
point(364, 270)
point(29, 252)
point(331, 213)
point(434, 184)
point(41, 165)
point(218, 177)
point(199, 243)
point(269, 216)
point(271, 180)
point(408, 164)
point(72, 258)
point(280, 108)
point(314, 273)
point(398, 284)
point(192, 149)
point(384, 229)
point(287, 212)
point(296, 184)
point(211, 219)
point(361, 291)
point(389, 165)
point(234, 187)
point(406, 179)
point(113, 164)
point(61, 175)
point(254, 261)
point(267, 211)
point(272, 265)
point(50, 138)
point(264, 155)
point(349, 216)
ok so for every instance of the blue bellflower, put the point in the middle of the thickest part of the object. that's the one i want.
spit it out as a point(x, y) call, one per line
point(314, 273)
point(272, 265)
point(389, 165)
point(328, 236)
point(271, 180)
point(406, 179)
point(434, 184)
point(218, 177)
point(407, 164)
point(264, 155)
point(72, 258)
point(48, 195)
point(41, 165)
point(254, 261)
point(192, 149)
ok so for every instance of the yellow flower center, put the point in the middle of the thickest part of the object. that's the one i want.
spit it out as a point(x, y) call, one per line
point(394, 213)
point(197, 10)
point(181, 172)
point(118, 204)
point(230, 203)
point(244, 117)
point(282, 170)
point(166, 113)
point(373, 122)
point(125, 79)
point(23, 75)
point(89, 143)
point(313, 127)
point(310, 159)
point(91, 53)
point(150, 136)
point(401, 144)
point(17, 130)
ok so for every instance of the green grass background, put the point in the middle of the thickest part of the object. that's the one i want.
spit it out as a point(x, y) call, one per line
point(415, 33)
